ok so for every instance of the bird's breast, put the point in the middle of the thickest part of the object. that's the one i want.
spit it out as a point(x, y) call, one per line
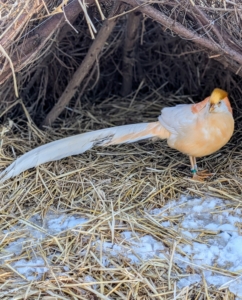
point(204, 137)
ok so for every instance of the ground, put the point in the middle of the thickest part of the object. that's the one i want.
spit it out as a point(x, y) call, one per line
point(122, 222)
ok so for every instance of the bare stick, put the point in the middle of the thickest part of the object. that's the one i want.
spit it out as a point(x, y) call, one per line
point(83, 69)
point(131, 38)
point(206, 22)
point(36, 39)
point(184, 32)
point(223, 36)
point(12, 69)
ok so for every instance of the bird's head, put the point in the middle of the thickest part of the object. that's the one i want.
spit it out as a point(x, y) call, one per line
point(219, 102)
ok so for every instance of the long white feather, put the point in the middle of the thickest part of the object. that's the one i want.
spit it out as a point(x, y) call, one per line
point(77, 144)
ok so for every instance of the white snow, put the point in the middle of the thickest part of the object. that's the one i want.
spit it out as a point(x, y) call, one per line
point(220, 246)
point(89, 278)
point(37, 230)
point(62, 223)
point(32, 270)
point(135, 250)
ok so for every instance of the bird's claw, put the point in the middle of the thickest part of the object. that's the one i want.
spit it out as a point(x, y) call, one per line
point(201, 175)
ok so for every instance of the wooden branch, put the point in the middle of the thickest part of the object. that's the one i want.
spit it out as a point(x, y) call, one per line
point(25, 10)
point(208, 26)
point(184, 32)
point(83, 69)
point(26, 52)
point(131, 39)
point(230, 65)
point(206, 22)
point(223, 39)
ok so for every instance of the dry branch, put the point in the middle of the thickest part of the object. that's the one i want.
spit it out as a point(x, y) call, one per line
point(131, 38)
point(223, 39)
point(182, 31)
point(28, 50)
point(24, 10)
point(83, 69)
point(201, 16)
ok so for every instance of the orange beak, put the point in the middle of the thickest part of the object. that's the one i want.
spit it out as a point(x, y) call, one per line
point(212, 107)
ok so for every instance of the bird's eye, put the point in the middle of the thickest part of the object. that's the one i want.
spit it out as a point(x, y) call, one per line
point(219, 103)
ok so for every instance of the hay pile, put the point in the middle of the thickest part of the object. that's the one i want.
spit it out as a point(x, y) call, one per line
point(118, 183)
point(113, 188)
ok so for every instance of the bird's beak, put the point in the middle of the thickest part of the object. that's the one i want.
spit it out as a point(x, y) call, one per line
point(212, 107)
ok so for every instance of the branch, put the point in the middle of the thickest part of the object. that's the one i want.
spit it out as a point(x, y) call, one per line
point(206, 22)
point(26, 52)
point(24, 11)
point(83, 69)
point(223, 38)
point(131, 38)
point(184, 32)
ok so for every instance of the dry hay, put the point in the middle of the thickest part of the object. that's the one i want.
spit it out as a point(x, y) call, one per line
point(122, 181)
point(118, 183)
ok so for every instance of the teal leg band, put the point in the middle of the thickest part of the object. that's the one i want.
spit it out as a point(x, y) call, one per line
point(194, 171)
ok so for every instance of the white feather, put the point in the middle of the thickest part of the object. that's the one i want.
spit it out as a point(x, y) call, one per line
point(71, 146)
point(177, 119)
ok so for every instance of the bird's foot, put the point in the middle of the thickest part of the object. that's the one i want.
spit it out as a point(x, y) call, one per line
point(204, 173)
point(201, 175)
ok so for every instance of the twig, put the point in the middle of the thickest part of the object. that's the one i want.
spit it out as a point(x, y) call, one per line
point(206, 22)
point(171, 263)
point(131, 38)
point(12, 69)
point(67, 20)
point(83, 69)
point(88, 20)
point(100, 10)
point(182, 31)
point(85, 85)
point(37, 39)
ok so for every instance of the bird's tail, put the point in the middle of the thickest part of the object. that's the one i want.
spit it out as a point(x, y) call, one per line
point(82, 142)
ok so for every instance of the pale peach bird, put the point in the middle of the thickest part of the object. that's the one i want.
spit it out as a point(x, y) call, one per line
point(196, 130)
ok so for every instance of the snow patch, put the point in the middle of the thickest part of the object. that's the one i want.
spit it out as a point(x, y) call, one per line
point(36, 230)
point(31, 270)
point(220, 246)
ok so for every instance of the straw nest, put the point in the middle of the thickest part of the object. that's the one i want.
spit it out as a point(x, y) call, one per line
point(113, 187)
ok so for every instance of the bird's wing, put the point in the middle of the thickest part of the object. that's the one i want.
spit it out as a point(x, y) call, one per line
point(82, 142)
point(178, 118)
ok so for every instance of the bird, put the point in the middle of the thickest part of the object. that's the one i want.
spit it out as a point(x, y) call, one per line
point(196, 130)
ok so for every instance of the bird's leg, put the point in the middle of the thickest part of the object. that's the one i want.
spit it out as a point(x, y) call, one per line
point(193, 165)
point(198, 175)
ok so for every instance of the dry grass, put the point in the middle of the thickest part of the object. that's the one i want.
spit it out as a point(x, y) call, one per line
point(113, 187)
